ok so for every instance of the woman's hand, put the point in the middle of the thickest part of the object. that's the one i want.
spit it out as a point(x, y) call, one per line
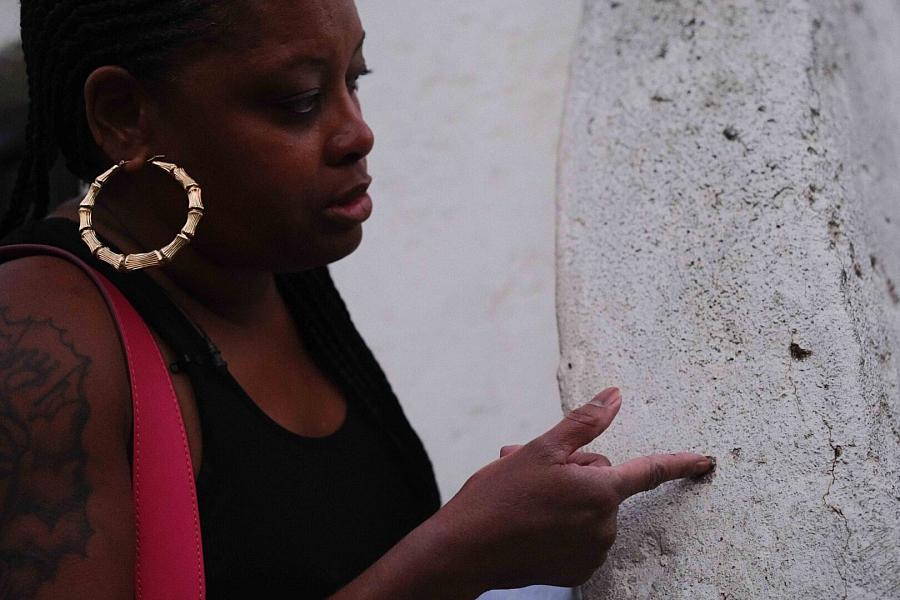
point(542, 513)
point(546, 513)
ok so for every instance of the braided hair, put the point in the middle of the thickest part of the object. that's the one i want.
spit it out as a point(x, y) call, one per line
point(63, 42)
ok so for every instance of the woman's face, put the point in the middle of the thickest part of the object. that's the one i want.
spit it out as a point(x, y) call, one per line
point(270, 127)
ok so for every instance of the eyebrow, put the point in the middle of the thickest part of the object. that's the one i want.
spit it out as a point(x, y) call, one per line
point(315, 61)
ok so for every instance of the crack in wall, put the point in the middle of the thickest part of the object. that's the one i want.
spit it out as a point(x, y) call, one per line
point(837, 450)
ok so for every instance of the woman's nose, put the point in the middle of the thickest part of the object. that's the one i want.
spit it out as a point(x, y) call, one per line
point(352, 139)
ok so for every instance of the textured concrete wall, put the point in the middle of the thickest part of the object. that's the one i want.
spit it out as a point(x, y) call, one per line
point(729, 255)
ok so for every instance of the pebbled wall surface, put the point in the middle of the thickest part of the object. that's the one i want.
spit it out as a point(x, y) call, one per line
point(729, 256)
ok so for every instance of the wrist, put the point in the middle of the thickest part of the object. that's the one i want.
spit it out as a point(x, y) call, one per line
point(433, 561)
point(453, 561)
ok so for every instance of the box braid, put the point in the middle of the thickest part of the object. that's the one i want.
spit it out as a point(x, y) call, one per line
point(63, 42)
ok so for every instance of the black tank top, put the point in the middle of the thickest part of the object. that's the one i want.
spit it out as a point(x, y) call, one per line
point(284, 515)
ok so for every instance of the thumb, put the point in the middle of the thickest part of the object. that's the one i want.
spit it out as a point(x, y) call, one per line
point(583, 424)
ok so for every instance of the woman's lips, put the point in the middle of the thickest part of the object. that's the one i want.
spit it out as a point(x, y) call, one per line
point(354, 210)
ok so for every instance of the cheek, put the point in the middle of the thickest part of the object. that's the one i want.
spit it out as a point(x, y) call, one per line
point(271, 204)
point(256, 177)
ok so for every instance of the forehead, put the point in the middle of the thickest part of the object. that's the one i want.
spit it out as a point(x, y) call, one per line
point(270, 33)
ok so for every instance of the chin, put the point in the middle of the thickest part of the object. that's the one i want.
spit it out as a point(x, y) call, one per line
point(329, 248)
point(345, 246)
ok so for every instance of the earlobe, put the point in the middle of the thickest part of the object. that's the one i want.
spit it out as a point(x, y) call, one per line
point(118, 113)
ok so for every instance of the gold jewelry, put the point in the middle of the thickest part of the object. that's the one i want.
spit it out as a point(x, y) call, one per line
point(134, 262)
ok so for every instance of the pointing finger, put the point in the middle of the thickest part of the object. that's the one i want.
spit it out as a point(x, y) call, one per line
point(583, 424)
point(647, 472)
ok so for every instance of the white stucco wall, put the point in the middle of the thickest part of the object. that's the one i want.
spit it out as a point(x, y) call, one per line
point(9, 21)
point(453, 285)
point(729, 251)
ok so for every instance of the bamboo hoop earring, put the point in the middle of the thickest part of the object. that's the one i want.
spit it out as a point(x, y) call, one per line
point(154, 258)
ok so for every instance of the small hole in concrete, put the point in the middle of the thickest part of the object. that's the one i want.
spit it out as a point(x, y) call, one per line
point(798, 353)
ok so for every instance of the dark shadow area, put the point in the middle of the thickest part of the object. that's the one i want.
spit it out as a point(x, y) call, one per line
point(13, 118)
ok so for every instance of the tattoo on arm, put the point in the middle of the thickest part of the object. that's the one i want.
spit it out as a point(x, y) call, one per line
point(43, 484)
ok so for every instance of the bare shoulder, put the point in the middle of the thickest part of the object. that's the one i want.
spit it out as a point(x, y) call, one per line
point(33, 276)
point(61, 308)
point(65, 483)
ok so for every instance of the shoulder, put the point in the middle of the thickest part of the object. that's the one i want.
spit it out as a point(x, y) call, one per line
point(64, 397)
point(34, 274)
point(52, 312)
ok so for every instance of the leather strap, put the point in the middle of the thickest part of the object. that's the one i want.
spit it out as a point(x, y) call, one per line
point(168, 549)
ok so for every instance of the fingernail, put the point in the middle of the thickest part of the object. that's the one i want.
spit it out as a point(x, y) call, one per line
point(707, 466)
point(606, 397)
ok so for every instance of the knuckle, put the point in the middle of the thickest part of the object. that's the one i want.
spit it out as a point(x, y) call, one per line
point(583, 416)
point(656, 473)
point(607, 498)
point(539, 449)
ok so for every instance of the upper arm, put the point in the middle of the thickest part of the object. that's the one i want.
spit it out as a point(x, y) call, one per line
point(66, 520)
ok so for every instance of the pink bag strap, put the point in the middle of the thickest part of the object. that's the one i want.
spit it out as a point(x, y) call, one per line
point(168, 549)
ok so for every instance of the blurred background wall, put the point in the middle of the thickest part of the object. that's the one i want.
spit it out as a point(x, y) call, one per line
point(453, 286)
point(9, 20)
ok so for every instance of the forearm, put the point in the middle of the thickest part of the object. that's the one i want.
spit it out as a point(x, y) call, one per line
point(430, 562)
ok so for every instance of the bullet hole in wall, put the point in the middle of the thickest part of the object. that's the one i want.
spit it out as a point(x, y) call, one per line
point(798, 353)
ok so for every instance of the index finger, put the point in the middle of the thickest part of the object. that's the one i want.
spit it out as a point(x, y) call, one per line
point(648, 472)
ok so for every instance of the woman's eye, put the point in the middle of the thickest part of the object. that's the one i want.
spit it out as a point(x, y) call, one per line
point(304, 103)
point(353, 82)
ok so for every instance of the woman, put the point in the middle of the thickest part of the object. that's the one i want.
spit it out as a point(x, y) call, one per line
point(309, 479)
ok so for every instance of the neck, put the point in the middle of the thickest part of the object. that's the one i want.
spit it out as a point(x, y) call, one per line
point(205, 289)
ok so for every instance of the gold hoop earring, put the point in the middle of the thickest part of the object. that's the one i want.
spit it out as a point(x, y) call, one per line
point(154, 258)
